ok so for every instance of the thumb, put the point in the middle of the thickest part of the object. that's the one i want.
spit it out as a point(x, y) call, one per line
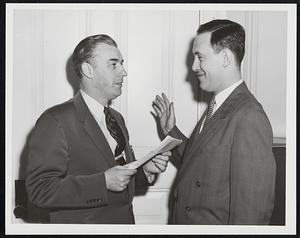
point(129, 171)
point(172, 112)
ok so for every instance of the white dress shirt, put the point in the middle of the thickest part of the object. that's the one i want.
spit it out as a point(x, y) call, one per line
point(221, 97)
point(96, 109)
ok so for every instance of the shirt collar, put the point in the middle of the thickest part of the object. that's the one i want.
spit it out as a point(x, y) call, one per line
point(94, 106)
point(221, 96)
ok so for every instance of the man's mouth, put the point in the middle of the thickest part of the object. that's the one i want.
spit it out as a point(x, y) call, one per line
point(119, 83)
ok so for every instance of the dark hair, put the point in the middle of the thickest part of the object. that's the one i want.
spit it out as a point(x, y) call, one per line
point(83, 52)
point(226, 34)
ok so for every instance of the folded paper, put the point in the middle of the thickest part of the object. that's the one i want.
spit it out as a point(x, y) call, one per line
point(167, 144)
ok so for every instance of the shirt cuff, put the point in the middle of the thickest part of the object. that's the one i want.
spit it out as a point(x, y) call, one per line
point(150, 177)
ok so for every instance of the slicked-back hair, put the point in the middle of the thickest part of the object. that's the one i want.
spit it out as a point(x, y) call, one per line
point(84, 51)
point(226, 34)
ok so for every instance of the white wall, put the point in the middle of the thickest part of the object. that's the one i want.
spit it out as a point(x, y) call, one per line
point(156, 49)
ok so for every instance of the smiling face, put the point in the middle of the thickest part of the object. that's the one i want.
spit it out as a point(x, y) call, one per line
point(108, 71)
point(208, 64)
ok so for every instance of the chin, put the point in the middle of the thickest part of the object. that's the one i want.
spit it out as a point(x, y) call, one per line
point(117, 93)
point(203, 86)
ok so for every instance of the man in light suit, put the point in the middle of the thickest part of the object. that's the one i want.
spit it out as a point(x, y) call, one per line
point(77, 148)
point(227, 174)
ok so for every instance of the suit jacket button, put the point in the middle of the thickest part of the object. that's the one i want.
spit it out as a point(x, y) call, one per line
point(187, 208)
point(99, 200)
point(198, 183)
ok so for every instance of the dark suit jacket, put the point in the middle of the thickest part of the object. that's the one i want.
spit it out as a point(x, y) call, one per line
point(228, 171)
point(67, 159)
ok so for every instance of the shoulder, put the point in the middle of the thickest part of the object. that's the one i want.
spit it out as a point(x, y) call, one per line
point(50, 122)
point(245, 109)
point(252, 115)
point(244, 103)
point(251, 106)
point(58, 111)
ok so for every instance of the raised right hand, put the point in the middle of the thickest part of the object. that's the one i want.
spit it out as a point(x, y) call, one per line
point(165, 112)
point(118, 177)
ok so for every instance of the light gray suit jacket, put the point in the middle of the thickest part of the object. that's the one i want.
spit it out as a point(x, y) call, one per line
point(228, 171)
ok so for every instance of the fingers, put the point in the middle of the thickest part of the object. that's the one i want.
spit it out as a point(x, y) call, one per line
point(125, 176)
point(168, 153)
point(118, 177)
point(158, 162)
point(161, 103)
point(157, 110)
point(162, 106)
point(165, 99)
point(124, 171)
point(172, 111)
point(161, 158)
point(161, 165)
point(124, 180)
point(161, 161)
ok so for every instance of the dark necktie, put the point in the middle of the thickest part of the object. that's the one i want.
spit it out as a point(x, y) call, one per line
point(116, 132)
point(210, 110)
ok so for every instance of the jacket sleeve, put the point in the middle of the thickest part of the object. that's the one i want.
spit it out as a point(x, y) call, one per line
point(47, 181)
point(253, 170)
point(179, 150)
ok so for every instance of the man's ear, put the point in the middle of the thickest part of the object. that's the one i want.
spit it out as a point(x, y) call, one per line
point(227, 57)
point(87, 70)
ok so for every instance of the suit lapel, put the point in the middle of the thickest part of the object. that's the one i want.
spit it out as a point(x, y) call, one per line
point(221, 116)
point(194, 136)
point(91, 127)
point(200, 140)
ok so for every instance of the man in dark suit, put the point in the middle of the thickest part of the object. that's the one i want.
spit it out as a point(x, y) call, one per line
point(227, 174)
point(77, 148)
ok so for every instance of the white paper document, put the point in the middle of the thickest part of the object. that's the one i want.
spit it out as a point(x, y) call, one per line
point(167, 144)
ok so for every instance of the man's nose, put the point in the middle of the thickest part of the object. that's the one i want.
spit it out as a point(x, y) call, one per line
point(124, 73)
point(196, 65)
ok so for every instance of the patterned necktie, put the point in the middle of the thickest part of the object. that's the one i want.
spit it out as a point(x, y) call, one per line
point(116, 132)
point(210, 110)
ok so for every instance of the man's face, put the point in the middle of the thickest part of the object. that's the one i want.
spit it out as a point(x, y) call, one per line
point(108, 71)
point(208, 64)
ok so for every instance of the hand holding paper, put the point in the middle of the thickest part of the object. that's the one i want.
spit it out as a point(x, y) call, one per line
point(167, 144)
point(157, 164)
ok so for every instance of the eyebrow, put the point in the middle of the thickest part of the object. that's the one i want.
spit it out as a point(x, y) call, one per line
point(116, 60)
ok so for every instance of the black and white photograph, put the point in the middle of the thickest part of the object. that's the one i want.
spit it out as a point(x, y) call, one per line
point(150, 119)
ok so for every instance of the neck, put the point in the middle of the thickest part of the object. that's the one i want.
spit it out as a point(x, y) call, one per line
point(92, 93)
point(232, 76)
point(235, 76)
point(230, 79)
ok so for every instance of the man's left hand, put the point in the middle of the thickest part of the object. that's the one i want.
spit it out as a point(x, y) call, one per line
point(158, 164)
